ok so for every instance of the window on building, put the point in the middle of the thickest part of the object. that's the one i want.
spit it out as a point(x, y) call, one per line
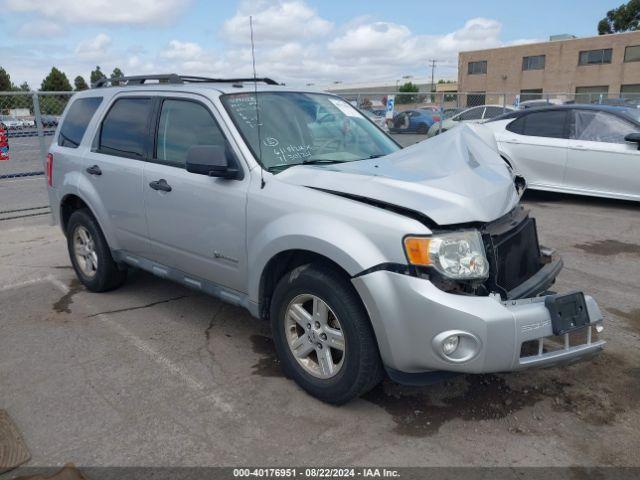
point(477, 68)
point(591, 94)
point(630, 91)
point(125, 128)
point(476, 98)
point(595, 57)
point(632, 53)
point(550, 124)
point(531, 94)
point(535, 62)
point(76, 121)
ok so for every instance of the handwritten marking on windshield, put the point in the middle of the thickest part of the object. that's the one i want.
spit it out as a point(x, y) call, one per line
point(291, 153)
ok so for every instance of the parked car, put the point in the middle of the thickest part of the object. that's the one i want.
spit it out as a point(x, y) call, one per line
point(380, 121)
point(541, 102)
point(49, 121)
point(584, 149)
point(470, 115)
point(414, 121)
point(364, 257)
point(11, 123)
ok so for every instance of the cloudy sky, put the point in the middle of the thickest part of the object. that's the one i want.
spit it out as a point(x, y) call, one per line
point(297, 41)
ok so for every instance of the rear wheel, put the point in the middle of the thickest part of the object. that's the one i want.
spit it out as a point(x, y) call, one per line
point(323, 336)
point(90, 254)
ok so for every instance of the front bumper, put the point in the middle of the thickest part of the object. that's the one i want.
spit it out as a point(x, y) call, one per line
point(408, 313)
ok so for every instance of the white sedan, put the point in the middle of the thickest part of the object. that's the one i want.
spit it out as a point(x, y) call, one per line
point(583, 149)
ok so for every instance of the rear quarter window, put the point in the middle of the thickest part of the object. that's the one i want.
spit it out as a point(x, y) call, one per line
point(76, 121)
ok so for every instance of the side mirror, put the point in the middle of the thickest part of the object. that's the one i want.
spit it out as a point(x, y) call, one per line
point(633, 138)
point(212, 160)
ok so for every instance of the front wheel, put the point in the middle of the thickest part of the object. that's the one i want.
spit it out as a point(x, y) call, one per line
point(323, 336)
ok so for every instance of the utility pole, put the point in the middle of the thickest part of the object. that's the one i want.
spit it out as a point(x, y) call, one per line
point(433, 69)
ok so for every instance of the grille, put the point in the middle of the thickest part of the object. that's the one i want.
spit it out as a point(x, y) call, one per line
point(513, 251)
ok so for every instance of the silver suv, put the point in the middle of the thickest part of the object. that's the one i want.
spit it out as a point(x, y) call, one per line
point(365, 257)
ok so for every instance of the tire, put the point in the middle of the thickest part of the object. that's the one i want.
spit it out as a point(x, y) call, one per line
point(107, 275)
point(422, 128)
point(360, 368)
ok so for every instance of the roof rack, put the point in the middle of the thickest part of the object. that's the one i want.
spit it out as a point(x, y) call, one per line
point(173, 79)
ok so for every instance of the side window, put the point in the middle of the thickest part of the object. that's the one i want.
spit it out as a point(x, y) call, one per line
point(125, 128)
point(182, 125)
point(75, 123)
point(517, 126)
point(472, 114)
point(491, 112)
point(550, 124)
point(600, 127)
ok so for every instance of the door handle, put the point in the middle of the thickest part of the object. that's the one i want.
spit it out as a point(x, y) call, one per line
point(161, 185)
point(94, 170)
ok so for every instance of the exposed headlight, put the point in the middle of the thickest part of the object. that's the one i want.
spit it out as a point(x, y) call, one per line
point(457, 255)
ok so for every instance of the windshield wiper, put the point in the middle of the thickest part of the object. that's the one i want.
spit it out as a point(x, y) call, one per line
point(314, 161)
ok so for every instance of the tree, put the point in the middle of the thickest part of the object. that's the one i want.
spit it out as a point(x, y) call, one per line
point(117, 73)
point(97, 75)
point(56, 81)
point(407, 88)
point(80, 84)
point(622, 19)
point(5, 81)
point(24, 87)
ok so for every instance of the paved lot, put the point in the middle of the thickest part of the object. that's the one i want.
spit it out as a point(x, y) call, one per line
point(156, 374)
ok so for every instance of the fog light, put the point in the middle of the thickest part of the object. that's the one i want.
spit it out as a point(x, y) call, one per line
point(456, 346)
point(450, 344)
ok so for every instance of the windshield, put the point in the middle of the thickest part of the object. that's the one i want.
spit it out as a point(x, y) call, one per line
point(297, 128)
point(633, 113)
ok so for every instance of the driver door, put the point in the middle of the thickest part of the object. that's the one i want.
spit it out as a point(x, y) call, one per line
point(196, 225)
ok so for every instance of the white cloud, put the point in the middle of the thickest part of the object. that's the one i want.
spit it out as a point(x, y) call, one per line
point(95, 48)
point(42, 28)
point(294, 44)
point(103, 12)
point(185, 51)
point(275, 22)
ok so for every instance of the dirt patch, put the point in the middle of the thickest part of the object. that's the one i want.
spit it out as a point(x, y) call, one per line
point(595, 392)
point(609, 247)
point(633, 317)
point(64, 303)
point(268, 365)
point(420, 412)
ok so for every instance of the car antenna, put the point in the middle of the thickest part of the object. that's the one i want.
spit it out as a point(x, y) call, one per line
point(255, 91)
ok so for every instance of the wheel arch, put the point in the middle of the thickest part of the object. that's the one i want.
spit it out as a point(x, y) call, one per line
point(282, 263)
point(75, 201)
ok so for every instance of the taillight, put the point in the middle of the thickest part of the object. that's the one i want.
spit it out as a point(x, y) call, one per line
point(436, 118)
point(49, 169)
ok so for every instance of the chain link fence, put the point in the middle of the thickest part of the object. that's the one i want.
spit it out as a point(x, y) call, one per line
point(29, 120)
point(429, 113)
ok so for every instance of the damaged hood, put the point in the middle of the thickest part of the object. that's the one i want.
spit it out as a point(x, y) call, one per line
point(456, 177)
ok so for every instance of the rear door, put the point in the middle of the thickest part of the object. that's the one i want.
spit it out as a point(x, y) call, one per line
point(536, 144)
point(114, 167)
point(600, 160)
point(198, 227)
